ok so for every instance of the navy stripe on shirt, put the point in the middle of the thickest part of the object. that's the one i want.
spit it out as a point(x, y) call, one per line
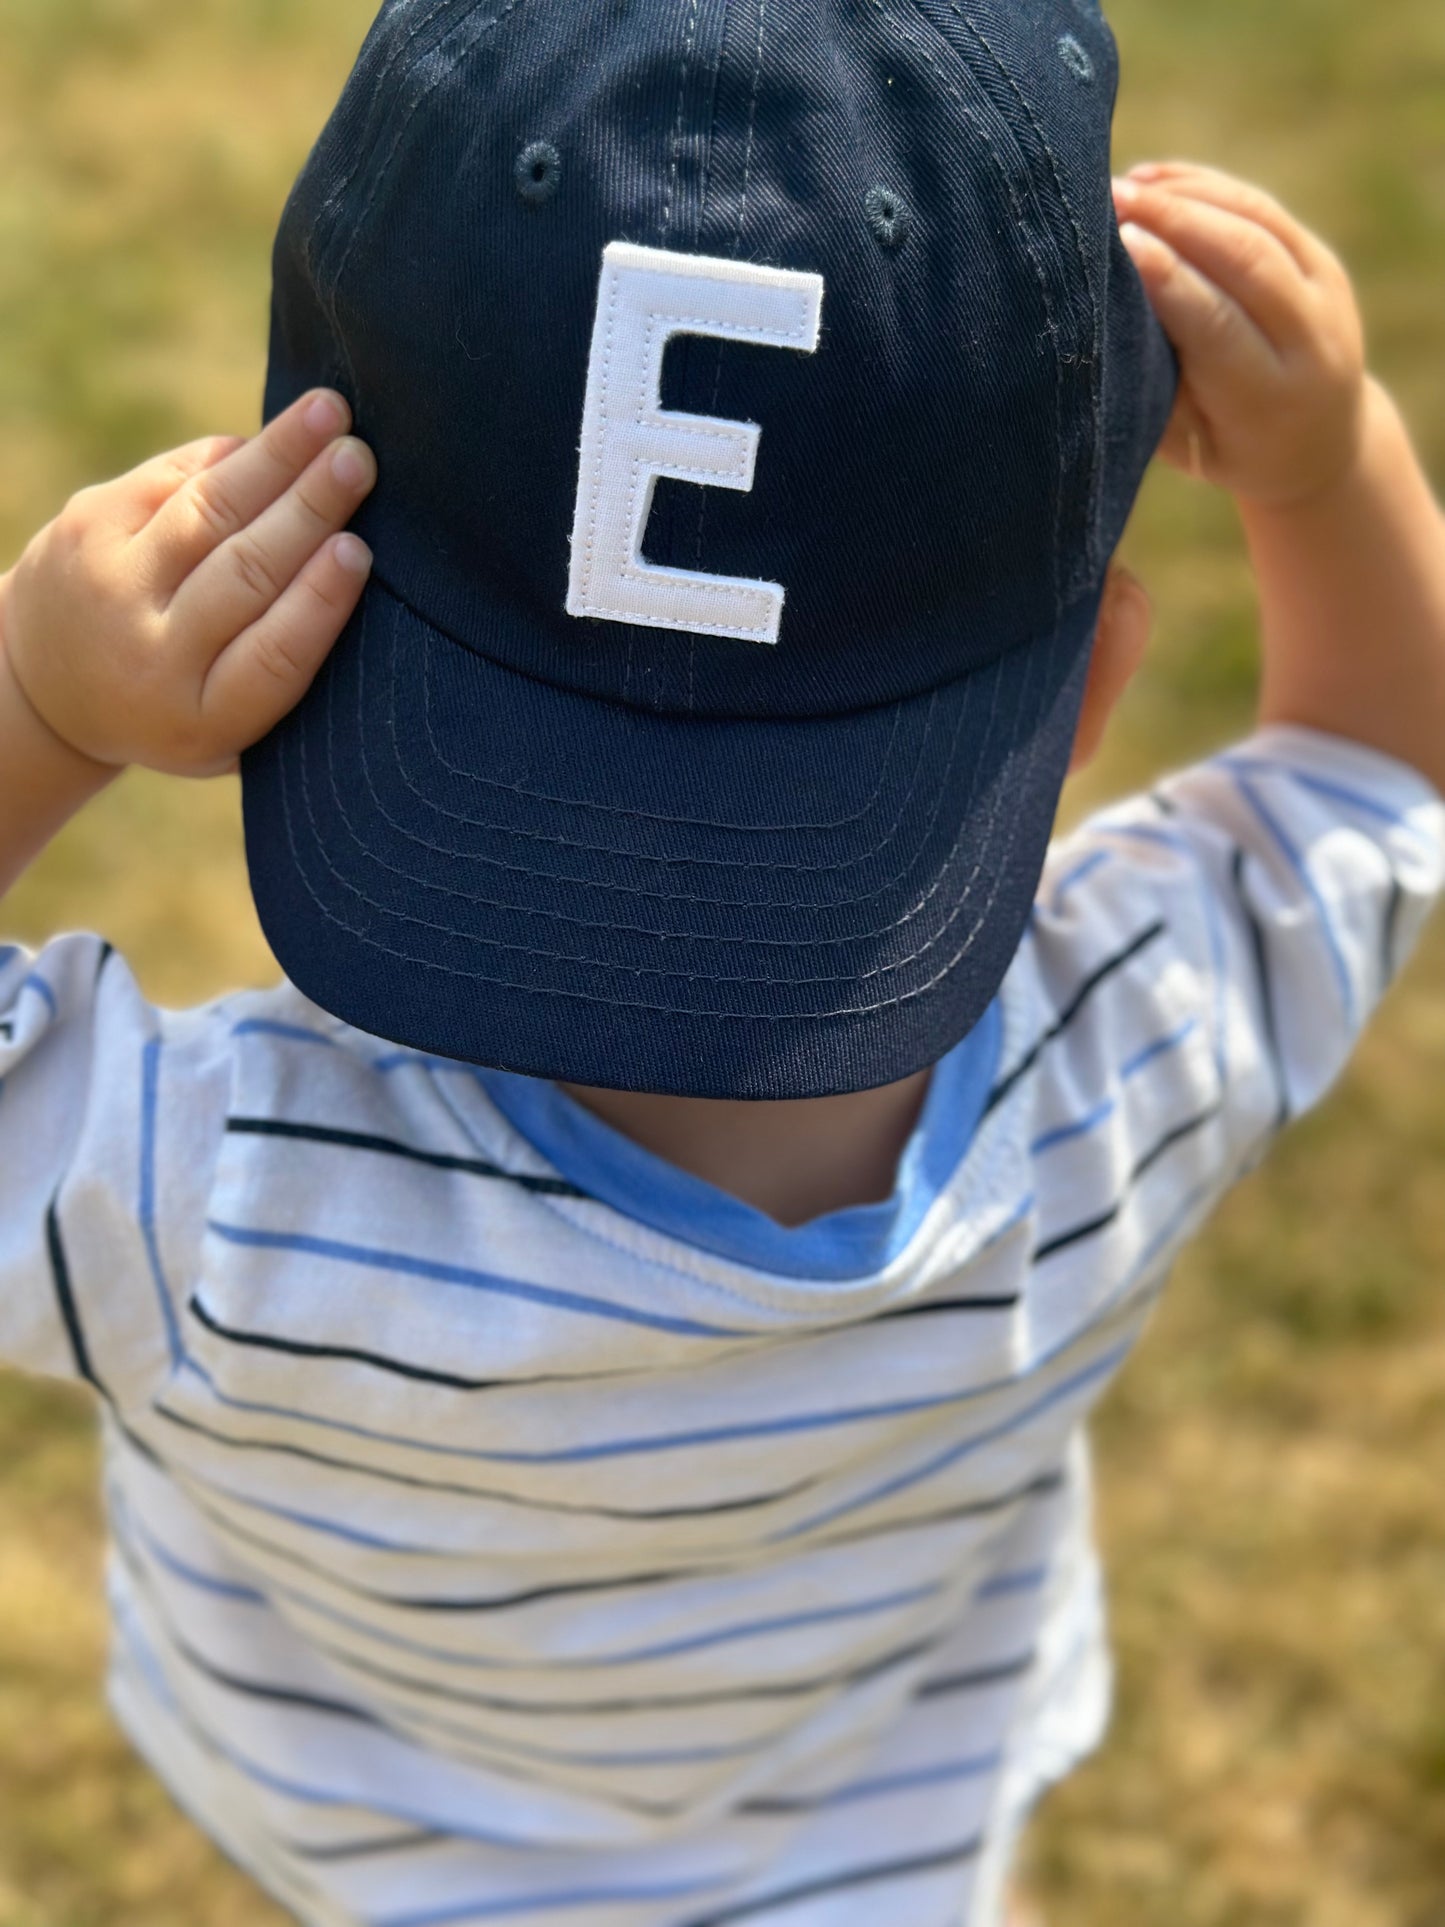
point(394, 1147)
point(630, 1703)
point(65, 1298)
point(1109, 968)
point(371, 1847)
point(909, 1868)
point(1177, 1135)
point(978, 1678)
point(1041, 1487)
point(232, 1443)
point(1265, 982)
point(401, 1368)
point(1389, 935)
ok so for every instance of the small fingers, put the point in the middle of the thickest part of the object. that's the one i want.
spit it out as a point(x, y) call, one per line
point(227, 495)
point(1207, 326)
point(1242, 258)
point(235, 585)
point(264, 673)
point(1212, 184)
point(130, 501)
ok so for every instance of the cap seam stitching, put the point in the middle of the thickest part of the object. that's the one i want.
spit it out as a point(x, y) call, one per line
point(614, 1003)
point(783, 904)
point(379, 580)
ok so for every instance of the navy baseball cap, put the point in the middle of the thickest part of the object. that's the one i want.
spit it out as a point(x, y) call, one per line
point(759, 389)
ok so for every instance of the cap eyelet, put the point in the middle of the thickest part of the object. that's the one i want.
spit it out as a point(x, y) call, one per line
point(1076, 58)
point(537, 172)
point(889, 216)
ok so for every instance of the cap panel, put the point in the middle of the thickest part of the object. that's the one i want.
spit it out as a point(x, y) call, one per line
point(454, 314)
point(907, 482)
point(649, 857)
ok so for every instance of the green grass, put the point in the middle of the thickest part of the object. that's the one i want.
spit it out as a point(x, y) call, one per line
point(1270, 1465)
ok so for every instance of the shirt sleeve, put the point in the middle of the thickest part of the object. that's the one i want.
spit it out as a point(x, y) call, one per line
point(98, 1090)
point(1257, 907)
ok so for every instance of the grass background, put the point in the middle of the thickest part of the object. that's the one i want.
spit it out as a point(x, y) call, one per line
point(1271, 1466)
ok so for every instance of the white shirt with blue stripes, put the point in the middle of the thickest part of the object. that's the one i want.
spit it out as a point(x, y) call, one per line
point(507, 1527)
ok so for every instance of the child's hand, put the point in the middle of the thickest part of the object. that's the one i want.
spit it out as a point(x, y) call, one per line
point(1267, 330)
point(173, 616)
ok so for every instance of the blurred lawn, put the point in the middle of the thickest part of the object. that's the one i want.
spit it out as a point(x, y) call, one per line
point(1272, 1466)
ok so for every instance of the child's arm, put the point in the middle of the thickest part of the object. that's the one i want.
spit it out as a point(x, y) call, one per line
point(173, 616)
point(1207, 953)
point(1347, 540)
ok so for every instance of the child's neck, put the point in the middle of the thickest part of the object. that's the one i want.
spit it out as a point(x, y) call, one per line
point(792, 1160)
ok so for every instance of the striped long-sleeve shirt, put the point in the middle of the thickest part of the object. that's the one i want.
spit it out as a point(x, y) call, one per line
point(507, 1527)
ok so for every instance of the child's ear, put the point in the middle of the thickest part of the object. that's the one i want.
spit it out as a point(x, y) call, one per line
point(1120, 642)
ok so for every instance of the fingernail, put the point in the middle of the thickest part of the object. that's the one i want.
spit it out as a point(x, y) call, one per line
point(325, 415)
point(1146, 170)
point(1125, 189)
point(351, 465)
point(353, 554)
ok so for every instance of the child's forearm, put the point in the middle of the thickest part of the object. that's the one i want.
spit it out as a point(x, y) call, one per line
point(43, 782)
point(1352, 585)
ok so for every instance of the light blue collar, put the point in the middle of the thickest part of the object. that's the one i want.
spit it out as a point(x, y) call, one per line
point(856, 1243)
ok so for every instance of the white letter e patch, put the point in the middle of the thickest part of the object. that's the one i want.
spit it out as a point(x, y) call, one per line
point(648, 295)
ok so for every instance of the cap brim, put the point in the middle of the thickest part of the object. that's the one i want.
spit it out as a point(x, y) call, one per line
point(461, 859)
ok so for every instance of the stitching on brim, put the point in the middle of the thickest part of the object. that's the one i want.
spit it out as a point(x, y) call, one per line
point(617, 1003)
point(679, 901)
point(582, 923)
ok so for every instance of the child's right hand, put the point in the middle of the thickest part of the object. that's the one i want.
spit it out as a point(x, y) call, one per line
point(1267, 329)
point(173, 616)
point(1345, 534)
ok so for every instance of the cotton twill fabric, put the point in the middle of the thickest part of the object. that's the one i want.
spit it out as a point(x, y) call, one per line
point(486, 1550)
point(941, 477)
point(459, 857)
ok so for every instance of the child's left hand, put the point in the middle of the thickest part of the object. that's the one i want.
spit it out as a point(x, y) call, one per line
point(173, 616)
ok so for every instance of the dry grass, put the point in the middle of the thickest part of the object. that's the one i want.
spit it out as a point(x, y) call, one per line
point(1271, 1465)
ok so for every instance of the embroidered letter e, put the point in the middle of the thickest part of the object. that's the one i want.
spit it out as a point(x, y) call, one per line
point(648, 295)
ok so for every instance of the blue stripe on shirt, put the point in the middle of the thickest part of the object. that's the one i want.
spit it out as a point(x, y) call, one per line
point(146, 1207)
point(1323, 786)
point(332, 1528)
point(147, 1668)
point(1012, 1582)
point(37, 983)
point(452, 1916)
point(408, 1266)
point(1133, 1065)
point(884, 1784)
point(626, 1447)
point(1107, 1106)
point(1095, 860)
point(369, 1628)
point(1106, 1308)
point(1301, 869)
point(761, 1628)
point(124, 1519)
point(1100, 1368)
point(269, 1027)
point(1065, 1133)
